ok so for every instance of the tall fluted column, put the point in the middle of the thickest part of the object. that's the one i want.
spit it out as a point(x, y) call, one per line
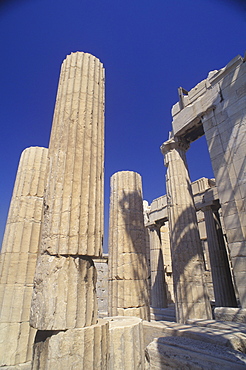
point(128, 271)
point(191, 299)
point(222, 280)
point(65, 281)
point(18, 258)
point(158, 286)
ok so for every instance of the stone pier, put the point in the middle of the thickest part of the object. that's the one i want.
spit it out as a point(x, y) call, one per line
point(222, 280)
point(191, 298)
point(64, 294)
point(128, 271)
point(158, 286)
point(18, 258)
point(216, 107)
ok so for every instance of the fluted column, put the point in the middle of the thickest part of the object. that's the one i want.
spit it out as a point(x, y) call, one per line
point(18, 258)
point(158, 286)
point(126, 343)
point(165, 245)
point(191, 299)
point(64, 294)
point(128, 271)
point(222, 280)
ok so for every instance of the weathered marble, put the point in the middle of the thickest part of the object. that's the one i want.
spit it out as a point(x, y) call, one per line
point(158, 284)
point(128, 270)
point(183, 353)
point(191, 298)
point(73, 220)
point(18, 258)
point(222, 280)
point(216, 107)
point(65, 281)
point(126, 343)
point(77, 349)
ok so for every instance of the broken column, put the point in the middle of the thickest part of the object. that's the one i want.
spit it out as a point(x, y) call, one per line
point(191, 298)
point(18, 258)
point(128, 271)
point(64, 294)
point(126, 343)
point(222, 281)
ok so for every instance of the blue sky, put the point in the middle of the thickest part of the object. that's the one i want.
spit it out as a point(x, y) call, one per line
point(149, 49)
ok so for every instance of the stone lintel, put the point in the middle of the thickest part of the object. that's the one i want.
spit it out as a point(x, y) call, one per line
point(204, 97)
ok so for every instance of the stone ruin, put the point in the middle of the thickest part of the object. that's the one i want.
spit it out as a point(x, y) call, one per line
point(171, 293)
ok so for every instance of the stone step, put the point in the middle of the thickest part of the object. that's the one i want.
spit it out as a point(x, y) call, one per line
point(224, 325)
point(162, 314)
point(186, 353)
point(228, 337)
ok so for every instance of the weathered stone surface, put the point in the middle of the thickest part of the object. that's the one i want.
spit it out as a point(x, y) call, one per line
point(191, 297)
point(101, 266)
point(65, 279)
point(25, 366)
point(126, 343)
point(64, 295)
point(158, 285)
point(76, 349)
point(230, 314)
point(222, 279)
point(18, 258)
point(73, 220)
point(16, 343)
point(128, 269)
point(184, 353)
point(217, 106)
point(230, 337)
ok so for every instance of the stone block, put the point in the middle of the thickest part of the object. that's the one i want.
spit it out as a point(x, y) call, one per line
point(130, 293)
point(126, 343)
point(141, 312)
point(16, 340)
point(184, 353)
point(64, 295)
point(77, 349)
point(230, 314)
point(227, 337)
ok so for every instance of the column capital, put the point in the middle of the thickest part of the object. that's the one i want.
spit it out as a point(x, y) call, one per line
point(174, 143)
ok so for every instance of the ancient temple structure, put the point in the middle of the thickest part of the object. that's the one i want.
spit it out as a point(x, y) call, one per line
point(171, 292)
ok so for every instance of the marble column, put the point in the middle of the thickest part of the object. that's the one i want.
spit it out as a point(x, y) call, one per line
point(158, 286)
point(126, 343)
point(191, 298)
point(18, 258)
point(128, 270)
point(64, 295)
point(221, 275)
point(165, 244)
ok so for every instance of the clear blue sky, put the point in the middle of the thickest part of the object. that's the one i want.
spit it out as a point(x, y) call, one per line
point(149, 48)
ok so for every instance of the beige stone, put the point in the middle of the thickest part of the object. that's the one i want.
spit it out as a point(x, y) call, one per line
point(19, 256)
point(230, 314)
point(184, 353)
point(218, 108)
point(221, 274)
point(73, 221)
point(126, 343)
point(64, 294)
point(158, 285)
point(227, 336)
point(128, 270)
point(65, 280)
point(77, 349)
point(191, 297)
